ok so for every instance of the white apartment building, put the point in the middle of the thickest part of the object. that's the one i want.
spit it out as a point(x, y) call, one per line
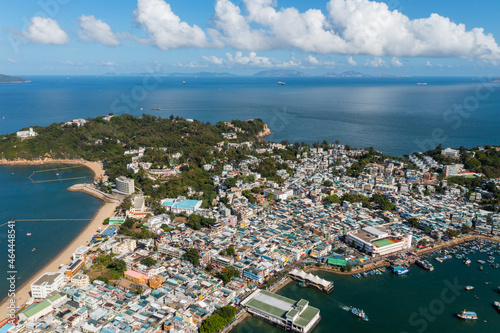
point(46, 284)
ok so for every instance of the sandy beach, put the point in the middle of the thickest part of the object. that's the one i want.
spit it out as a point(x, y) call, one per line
point(64, 257)
point(96, 167)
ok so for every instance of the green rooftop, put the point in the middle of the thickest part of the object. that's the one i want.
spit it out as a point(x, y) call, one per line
point(306, 316)
point(382, 242)
point(37, 308)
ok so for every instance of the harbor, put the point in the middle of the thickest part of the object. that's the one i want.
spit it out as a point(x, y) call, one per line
point(422, 289)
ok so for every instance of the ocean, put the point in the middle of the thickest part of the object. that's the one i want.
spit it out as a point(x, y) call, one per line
point(421, 301)
point(25, 198)
point(393, 115)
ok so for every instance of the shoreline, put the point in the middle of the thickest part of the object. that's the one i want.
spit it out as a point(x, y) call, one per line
point(96, 167)
point(106, 210)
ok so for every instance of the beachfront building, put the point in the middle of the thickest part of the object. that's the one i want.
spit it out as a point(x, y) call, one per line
point(27, 134)
point(124, 185)
point(281, 311)
point(80, 252)
point(74, 267)
point(80, 280)
point(378, 242)
point(46, 284)
point(180, 205)
point(41, 309)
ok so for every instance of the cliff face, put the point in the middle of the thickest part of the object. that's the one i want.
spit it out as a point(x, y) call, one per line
point(265, 132)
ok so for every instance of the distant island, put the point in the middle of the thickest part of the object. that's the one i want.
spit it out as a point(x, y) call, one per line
point(496, 80)
point(359, 74)
point(198, 74)
point(281, 73)
point(12, 79)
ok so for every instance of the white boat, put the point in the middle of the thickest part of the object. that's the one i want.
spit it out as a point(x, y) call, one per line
point(28, 234)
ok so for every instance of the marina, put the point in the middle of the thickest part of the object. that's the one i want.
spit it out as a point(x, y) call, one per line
point(451, 276)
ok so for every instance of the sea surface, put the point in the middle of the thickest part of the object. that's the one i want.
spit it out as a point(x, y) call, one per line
point(38, 197)
point(394, 115)
point(421, 301)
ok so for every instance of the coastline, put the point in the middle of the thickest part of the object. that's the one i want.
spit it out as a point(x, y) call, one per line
point(96, 167)
point(64, 257)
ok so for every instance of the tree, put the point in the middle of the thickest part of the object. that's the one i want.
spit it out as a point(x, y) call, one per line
point(148, 261)
point(331, 199)
point(192, 256)
point(228, 273)
point(327, 183)
point(230, 251)
point(117, 265)
point(413, 221)
point(270, 196)
point(103, 279)
point(230, 182)
point(364, 248)
point(353, 245)
point(218, 319)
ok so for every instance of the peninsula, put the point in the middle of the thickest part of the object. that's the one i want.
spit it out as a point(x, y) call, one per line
point(12, 79)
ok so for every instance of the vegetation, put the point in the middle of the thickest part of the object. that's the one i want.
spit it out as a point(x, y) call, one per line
point(197, 222)
point(192, 256)
point(230, 251)
point(228, 273)
point(148, 261)
point(218, 319)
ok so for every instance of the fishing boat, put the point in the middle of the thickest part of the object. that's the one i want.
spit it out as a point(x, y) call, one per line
point(156, 109)
point(497, 305)
point(469, 288)
point(302, 284)
point(482, 262)
point(28, 234)
point(358, 313)
point(467, 315)
point(467, 262)
point(33, 250)
point(425, 265)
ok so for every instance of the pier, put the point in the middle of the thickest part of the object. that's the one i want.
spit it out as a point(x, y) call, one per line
point(283, 312)
point(309, 279)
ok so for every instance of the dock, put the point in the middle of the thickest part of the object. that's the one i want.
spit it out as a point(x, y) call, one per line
point(283, 312)
point(312, 280)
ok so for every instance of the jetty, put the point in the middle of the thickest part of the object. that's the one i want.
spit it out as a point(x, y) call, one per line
point(89, 189)
point(283, 312)
point(312, 280)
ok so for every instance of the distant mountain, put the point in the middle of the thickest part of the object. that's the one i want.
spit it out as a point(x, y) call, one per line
point(359, 74)
point(281, 73)
point(199, 74)
point(202, 74)
point(347, 74)
point(12, 79)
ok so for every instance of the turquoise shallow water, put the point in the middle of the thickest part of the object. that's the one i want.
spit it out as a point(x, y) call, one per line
point(20, 198)
point(422, 301)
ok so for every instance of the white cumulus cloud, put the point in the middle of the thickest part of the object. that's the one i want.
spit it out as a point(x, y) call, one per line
point(42, 30)
point(375, 62)
point(348, 27)
point(92, 29)
point(396, 62)
point(254, 60)
point(351, 61)
point(165, 28)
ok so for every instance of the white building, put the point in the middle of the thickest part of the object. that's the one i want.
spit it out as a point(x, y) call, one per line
point(158, 220)
point(124, 246)
point(279, 194)
point(125, 185)
point(27, 134)
point(377, 242)
point(80, 280)
point(450, 152)
point(453, 170)
point(46, 284)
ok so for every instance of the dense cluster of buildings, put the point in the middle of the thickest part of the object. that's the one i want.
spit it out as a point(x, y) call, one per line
point(289, 222)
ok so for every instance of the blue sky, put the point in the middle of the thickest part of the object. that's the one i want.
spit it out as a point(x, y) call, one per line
point(402, 37)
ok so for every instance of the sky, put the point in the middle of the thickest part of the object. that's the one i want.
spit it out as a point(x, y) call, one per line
point(398, 37)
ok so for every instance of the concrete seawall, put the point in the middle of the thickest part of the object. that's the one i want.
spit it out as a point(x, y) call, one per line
point(88, 189)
